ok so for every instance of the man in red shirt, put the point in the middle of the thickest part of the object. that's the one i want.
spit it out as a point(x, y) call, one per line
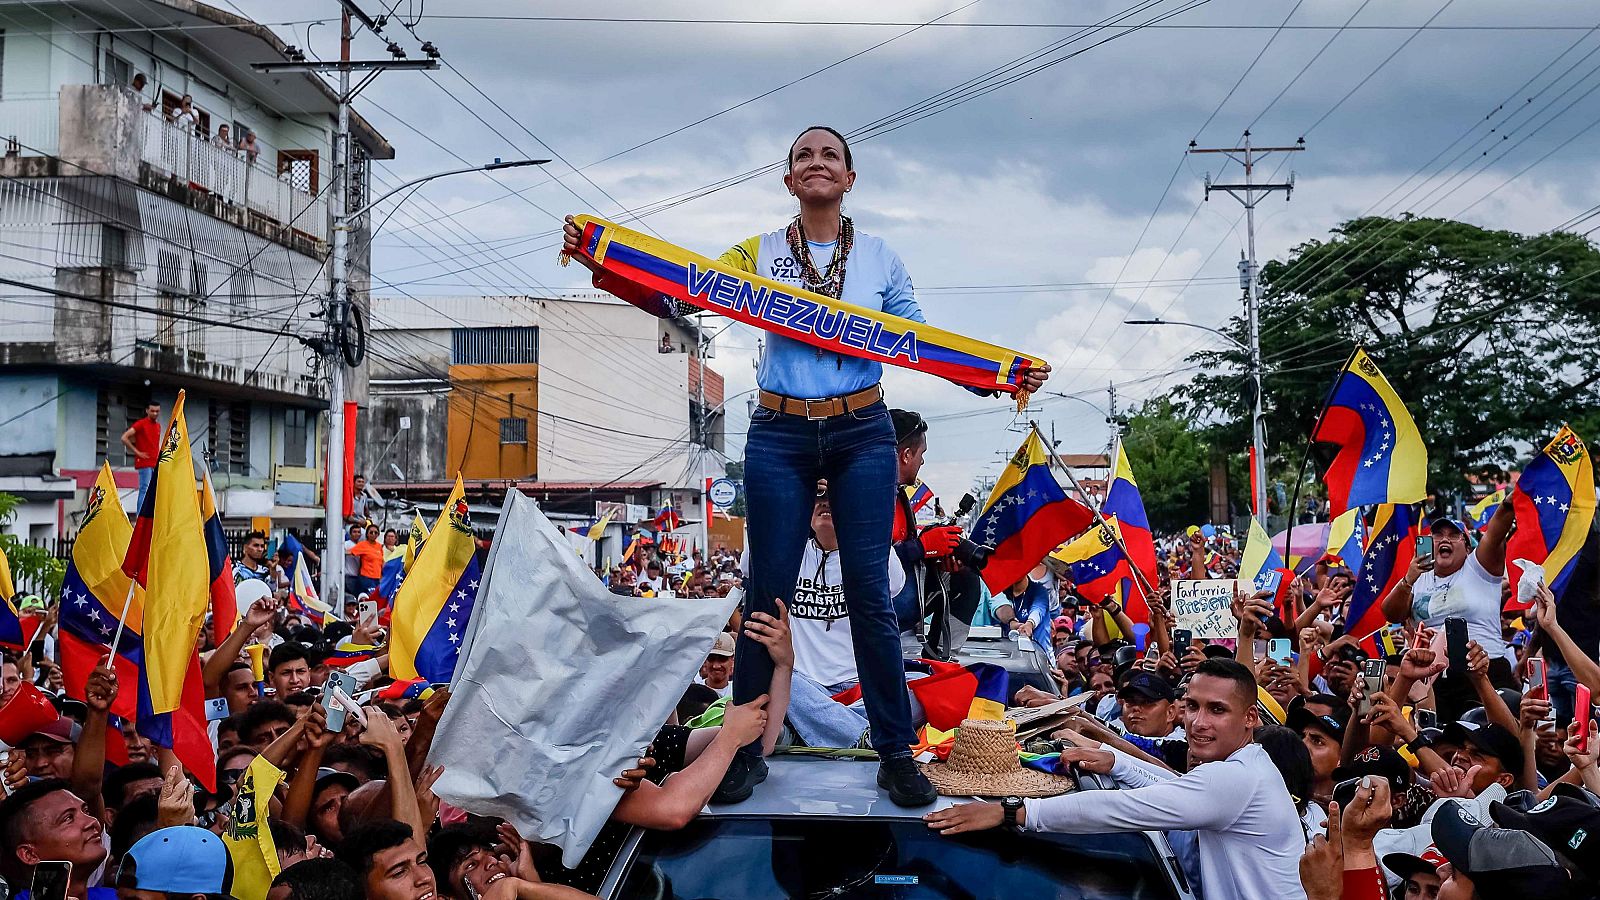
point(143, 440)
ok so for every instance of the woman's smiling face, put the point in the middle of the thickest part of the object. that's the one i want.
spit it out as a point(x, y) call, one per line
point(818, 170)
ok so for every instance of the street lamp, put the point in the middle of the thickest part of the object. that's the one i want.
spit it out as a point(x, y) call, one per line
point(1258, 429)
point(338, 320)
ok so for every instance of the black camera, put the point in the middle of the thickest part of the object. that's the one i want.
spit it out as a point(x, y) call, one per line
point(972, 555)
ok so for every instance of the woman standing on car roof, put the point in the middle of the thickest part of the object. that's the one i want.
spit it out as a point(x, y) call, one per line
point(821, 416)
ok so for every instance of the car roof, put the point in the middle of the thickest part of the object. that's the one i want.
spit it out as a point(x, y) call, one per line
point(821, 785)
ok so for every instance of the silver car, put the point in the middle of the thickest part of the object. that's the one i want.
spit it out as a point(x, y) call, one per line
point(820, 827)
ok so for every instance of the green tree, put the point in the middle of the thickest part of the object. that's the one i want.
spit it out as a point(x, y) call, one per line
point(1171, 462)
point(1488, 336)
point(30, 565)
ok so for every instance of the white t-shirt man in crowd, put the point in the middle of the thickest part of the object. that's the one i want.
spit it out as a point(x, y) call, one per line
point(1249, 834)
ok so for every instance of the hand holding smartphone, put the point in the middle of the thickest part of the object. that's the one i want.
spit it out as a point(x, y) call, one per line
point(1182, 639)
point(1278, 651)
point(1455, 636)
point(1425, 545)
point(346, 684)
point(1371, 682)
point(1536, 678)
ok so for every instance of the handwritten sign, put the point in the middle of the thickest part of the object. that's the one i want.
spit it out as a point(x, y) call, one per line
point(1203, 607)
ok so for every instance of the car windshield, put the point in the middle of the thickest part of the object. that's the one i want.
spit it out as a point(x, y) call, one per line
point(759, 859)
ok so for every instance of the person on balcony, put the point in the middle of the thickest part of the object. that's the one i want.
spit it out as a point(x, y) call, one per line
point(184, 116)
point(249, 147)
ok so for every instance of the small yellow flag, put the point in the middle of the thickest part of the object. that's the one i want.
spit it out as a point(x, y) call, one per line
point(249, 840)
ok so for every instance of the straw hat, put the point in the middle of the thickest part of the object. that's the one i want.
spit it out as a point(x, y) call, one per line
point(984, 763)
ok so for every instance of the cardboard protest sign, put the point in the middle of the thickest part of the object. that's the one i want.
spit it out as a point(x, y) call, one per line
point(1203, 607)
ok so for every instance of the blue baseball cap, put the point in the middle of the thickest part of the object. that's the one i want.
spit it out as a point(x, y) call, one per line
point(178, 860)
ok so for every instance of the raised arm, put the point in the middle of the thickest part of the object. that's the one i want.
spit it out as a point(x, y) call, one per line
point(674, 804)
point(1491, 552)
point(216, 668)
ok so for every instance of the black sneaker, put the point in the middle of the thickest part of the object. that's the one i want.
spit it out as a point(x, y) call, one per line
point(904, 781)
point(745, 772)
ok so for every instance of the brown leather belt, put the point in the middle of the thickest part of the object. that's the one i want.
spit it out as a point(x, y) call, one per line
point(825, 408)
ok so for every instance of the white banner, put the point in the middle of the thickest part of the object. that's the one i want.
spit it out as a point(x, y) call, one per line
point(1204, 607)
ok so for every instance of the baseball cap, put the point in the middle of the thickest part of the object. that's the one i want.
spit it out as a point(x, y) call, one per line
point(723, 647)
point(1147, 685)
point(1301, 718)
point(1491, 739)
point(1447, 522)
point(1384, 762)
point(327, 776)
point(62, 731)
point(1501, 862)
point(1064, 623)
point(182, 859)
point(1405, 865)
point(1571, 827)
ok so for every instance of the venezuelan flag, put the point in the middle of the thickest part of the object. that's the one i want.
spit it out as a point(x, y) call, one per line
point(668, 519)
point(348, 653)
point(1347, 539)
point(16, 632)
point(627, 555)
point(1133, 526)
point(1381, 457)
point(93, 595)
point(1390, 640)
point(1260, 560)
point(224, 607)
point(303, 597)
point(1096, 562)
point(168, 556)
point(432, 608)
point(394, 570)
point(1393, 547)
point(598, 529)
point(1480, 512)
point(953, 692)
point(413, 689)
point(919, 494)
point(1554, 501)
point(1026, 516)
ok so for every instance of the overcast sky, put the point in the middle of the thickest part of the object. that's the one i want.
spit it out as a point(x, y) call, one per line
point(1049, 180)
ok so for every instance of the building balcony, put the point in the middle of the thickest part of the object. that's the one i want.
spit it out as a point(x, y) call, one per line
point(102, 130)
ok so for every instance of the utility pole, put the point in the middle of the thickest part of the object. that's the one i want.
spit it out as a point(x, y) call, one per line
point(345, 343)
point(702, 346)
point(1248, 194)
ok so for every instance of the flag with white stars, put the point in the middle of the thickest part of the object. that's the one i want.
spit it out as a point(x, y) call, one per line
point(1098, 567)
point(1554, 501)
point(1124, 502)
point(1381, 456)
point(436, 598)
point(1027, 515)
point(1392, 547)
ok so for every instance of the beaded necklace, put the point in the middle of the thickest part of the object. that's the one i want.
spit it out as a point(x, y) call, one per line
point(829, 283)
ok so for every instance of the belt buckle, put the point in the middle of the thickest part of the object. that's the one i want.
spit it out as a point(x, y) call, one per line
point(809, 416)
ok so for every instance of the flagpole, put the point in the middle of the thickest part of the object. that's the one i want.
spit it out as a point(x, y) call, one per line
point(1138, 576)
point(1300, 477)
point(122, 620)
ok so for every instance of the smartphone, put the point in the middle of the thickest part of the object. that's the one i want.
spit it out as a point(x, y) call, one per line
point(1278, 651)
point(1345, 791)
point(216, 708)
point(50, 879)
point(1274, 579)
point(1536, 682)
point(367, 616)
point(1182, 639)
point(1425, 545)
point(1581, 715)
point(1371, 682)
point(336, 713)
point(1455, 638)
point(1426, 718)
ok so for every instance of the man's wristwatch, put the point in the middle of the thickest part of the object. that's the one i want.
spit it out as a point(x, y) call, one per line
point(1011, 806)
point(1418, 742)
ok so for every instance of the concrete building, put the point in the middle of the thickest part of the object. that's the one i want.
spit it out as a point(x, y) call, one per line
point(137, 239)
point(579, 400)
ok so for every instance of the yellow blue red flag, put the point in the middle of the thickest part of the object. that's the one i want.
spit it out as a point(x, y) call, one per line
point(1026, 516)
point(93, 595)
point(1388, 554)
point(436, 599)
point(1381, 457)
point(1098, 567)
point(167, 555)
point(1347, 540)
point(1133, 526)
point(1555, 502)
point(1480, 512)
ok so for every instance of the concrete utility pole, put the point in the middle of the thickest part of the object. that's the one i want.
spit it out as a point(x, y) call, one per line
point(1248, 194)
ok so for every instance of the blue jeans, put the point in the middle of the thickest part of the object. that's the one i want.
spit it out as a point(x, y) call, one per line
point(784, 457)
point(822, 721)
point(145, 476)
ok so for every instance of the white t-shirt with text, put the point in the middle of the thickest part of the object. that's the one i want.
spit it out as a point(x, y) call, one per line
point(1471, 593)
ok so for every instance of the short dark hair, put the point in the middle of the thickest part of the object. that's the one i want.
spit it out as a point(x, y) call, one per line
point(849, 163)
point(450, 844)
point(14, 821)
point(288, 651)
point(1288, 752)
point(116, 784)
point(252, 535)
point(367, 759)
point(1243, 679)
point(260, 713)
point(368, 840)
point(697, 698)
point(286, 836)
point(320, 879)
point(908, 426)
point(134, 821)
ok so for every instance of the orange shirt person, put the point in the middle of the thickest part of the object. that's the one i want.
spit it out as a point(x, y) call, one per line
point(370, 554)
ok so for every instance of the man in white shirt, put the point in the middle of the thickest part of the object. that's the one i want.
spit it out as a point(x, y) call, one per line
point(1249, 834)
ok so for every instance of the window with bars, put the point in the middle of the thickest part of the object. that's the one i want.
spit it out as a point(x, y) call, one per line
point(494, 346)
point(299, 169)
point(229, 437)
point(113, 414)
point(514, 431)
